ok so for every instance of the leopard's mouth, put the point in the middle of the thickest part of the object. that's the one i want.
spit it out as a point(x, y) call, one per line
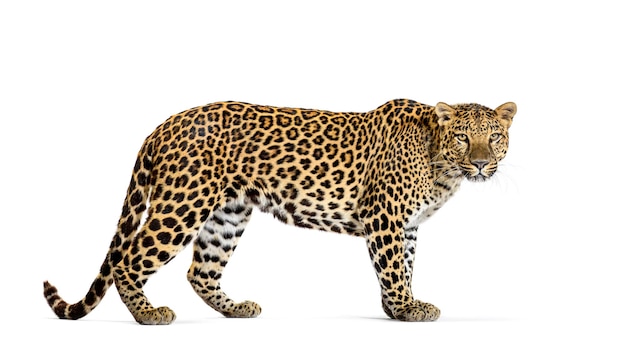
point(475, 175)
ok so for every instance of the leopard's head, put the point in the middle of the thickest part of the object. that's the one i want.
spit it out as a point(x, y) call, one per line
point(474, 138)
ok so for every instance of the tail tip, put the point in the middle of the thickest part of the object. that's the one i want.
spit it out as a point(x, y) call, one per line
point(48, 289)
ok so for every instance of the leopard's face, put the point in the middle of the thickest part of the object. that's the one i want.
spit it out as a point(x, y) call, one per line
point(474, 138)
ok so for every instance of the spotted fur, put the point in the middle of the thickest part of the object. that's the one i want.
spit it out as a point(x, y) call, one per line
point(375, 175)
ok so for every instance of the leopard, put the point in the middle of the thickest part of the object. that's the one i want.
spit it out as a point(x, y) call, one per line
point(377, 175)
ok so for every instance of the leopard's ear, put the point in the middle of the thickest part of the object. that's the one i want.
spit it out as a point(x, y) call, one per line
point(445, 113)
point(506, 112)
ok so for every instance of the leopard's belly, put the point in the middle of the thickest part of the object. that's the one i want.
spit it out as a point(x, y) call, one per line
point(308, 211)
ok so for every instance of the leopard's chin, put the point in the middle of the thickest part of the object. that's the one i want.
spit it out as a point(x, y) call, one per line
point(477, 178)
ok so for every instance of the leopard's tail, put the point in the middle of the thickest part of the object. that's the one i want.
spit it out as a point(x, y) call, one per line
point(80, 309)
point(134, 207)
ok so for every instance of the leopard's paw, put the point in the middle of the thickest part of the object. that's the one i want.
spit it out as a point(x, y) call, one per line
point(417, 311)
point(156, 316)
point(246, 309)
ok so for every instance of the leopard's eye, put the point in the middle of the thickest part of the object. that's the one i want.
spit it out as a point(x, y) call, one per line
point(495, 136)
point(461, 137)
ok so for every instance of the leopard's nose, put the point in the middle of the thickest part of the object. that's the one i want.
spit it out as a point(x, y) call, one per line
point(480, 163)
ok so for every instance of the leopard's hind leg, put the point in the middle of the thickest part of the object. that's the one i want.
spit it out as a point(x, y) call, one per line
point(216, 241)
point(168, 228)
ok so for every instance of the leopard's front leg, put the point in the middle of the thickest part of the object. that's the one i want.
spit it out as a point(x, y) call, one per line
point(410, 238)
point(387, 247)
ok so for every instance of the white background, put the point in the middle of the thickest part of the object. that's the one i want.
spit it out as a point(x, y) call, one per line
point(532, 260)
